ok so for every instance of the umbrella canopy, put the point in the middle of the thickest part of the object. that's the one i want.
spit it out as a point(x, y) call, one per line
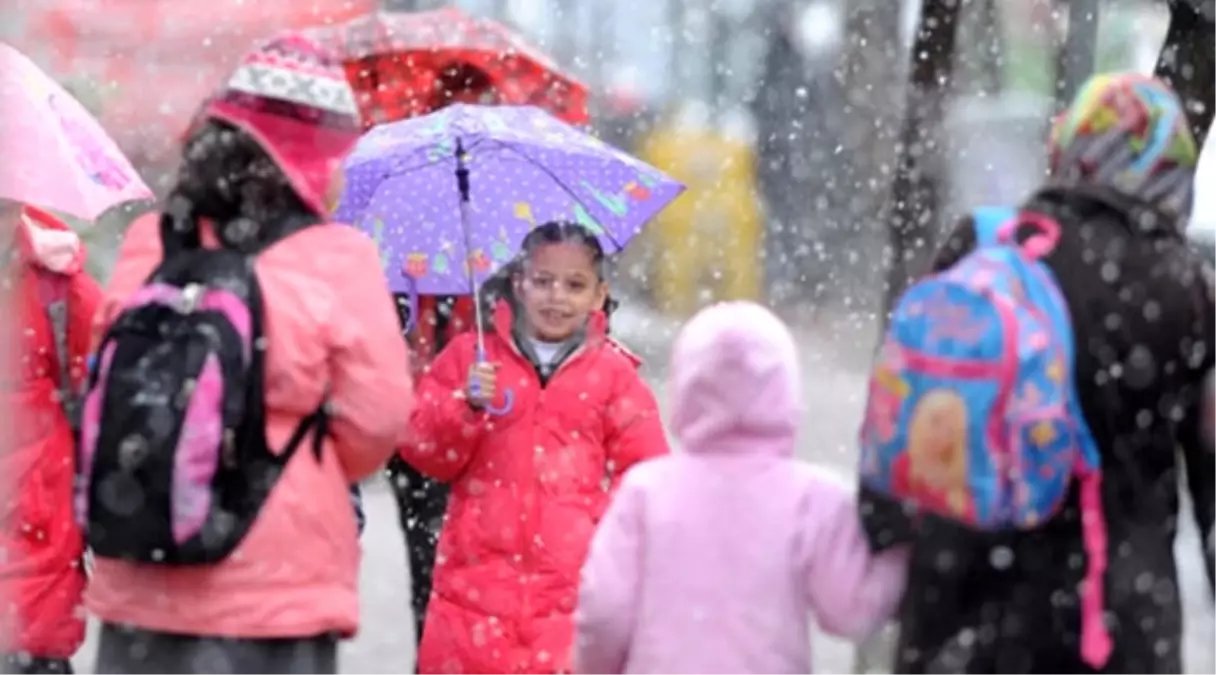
point(524, 167)
point(56, 156)
point(398, 62)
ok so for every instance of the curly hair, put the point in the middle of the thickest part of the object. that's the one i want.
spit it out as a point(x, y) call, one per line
point(227, 178)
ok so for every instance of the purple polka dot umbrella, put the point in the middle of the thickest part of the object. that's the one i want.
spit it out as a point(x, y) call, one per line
point(439, 234)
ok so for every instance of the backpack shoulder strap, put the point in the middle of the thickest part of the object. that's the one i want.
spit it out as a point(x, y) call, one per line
point(316, 422)
point(988, 221)
point(53, 293)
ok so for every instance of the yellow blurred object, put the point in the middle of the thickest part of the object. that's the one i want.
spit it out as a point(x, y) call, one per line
point(705, 245)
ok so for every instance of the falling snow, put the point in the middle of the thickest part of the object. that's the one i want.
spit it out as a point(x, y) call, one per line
point(828, 147)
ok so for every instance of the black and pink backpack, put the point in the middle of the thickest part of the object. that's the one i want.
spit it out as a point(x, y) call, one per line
point(174, 463)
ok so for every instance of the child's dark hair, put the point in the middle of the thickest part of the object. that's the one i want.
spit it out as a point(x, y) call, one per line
point(227, 178)
point(563, 232)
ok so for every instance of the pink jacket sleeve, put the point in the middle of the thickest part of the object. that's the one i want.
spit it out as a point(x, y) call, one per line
point(850, 591)
point(444, 431)
point(371, 392)
point(608, 588)
point(635, 428)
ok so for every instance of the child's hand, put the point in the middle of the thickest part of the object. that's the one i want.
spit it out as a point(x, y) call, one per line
point(482, 383)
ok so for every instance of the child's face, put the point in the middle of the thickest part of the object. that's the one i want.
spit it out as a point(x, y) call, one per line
point(558, 289)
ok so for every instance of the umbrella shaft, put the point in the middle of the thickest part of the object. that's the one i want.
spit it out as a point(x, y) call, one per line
point(466, 226)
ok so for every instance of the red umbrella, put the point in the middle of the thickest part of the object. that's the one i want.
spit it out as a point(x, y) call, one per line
point(150, 64)
point(401, 63)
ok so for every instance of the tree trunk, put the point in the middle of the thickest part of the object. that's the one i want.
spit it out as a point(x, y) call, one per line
point(719, 54)
point(1186, 62)
point(859, 145)
point(912, 211)
point(916, 194)
point(992, 48)
point(852, 153)
point(1075, 55)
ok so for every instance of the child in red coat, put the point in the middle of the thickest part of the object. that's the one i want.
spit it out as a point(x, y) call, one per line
point(41, 578)
point(532, 438)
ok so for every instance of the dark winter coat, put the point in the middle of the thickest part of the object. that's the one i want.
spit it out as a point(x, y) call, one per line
point(1142, 308)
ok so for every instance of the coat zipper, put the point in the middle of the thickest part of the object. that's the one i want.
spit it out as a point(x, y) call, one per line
point(528, 531)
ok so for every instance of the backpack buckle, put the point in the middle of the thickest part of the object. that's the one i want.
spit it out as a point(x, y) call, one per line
point(192, 295)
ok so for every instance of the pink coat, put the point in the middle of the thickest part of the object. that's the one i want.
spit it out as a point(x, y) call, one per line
point(715, 559)
point(330, 321)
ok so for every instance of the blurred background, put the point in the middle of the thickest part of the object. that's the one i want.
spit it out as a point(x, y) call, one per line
point(822, 161)
point(782, 116)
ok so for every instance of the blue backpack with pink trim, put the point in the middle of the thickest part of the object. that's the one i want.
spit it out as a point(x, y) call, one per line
point(973, 414)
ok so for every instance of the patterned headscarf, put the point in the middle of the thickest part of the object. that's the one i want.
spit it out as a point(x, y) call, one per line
point(1127, 132)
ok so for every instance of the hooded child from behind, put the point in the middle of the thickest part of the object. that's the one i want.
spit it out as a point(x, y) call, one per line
point(715, 559)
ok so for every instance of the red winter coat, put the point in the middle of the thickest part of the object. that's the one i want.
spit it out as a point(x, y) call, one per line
point(528, 489)
point(41, 579)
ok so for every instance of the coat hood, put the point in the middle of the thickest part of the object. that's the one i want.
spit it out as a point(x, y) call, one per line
point(43, 240)
point(1128, 133)
point(735, 382)
point(292, 97)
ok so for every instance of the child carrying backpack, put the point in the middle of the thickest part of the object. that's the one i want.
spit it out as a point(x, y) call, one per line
point(972, 412)
point(250, 373)
point(175, 464)
point(1021, 599)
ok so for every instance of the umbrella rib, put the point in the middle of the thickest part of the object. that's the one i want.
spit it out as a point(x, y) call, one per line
point(392, 173)
point(412, 168)
point(560, 183)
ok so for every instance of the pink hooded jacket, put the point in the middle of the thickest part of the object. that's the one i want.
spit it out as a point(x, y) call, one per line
point(714, 559)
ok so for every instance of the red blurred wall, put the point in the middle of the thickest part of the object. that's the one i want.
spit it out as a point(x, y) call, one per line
point(144, 65)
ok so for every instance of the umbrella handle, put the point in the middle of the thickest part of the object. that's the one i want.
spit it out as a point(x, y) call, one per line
point(508, 402)
point(462, 182)
point(508, 396)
